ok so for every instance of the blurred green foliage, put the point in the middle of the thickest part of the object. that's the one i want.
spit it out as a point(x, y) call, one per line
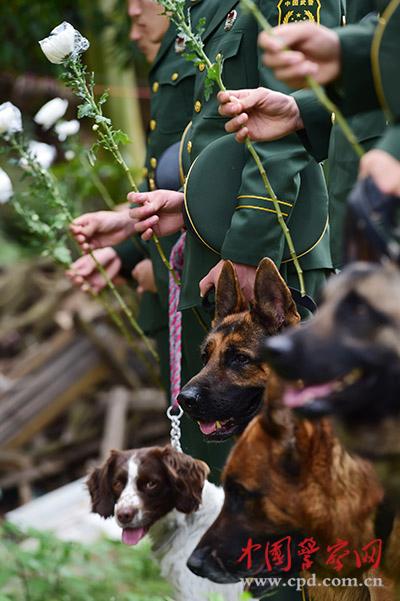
point(36, 566)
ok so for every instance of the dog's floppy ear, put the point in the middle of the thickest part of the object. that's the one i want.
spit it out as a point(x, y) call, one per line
point(187, 477)
point(99, 484)
point(229, 298)
point(273, 304)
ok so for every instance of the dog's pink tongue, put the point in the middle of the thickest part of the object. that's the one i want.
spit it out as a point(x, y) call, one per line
point(207, 428)
point(131, 536)
point(293, 397)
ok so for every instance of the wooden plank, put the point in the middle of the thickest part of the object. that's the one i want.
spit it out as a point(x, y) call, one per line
point(115, 422)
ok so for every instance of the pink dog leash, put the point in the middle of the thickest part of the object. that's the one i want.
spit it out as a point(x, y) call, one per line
point(175, 412)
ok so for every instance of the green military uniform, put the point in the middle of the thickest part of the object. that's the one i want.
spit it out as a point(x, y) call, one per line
point(171, 83)
point(254, 231)
point(324, 141)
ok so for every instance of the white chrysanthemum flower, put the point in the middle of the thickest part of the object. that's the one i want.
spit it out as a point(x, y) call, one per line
point(51, 112)
point(6, 189)
point(63, 42)
point(10, 119)
point(64, 129)
point(43, 153)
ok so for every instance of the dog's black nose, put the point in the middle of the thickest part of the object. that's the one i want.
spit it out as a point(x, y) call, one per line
point(278, 351)
point(189, 398)
point(197, 562)
point(126, 515)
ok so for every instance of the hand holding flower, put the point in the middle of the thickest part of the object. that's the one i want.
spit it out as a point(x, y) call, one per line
point(102, 228)
point(84, 273)
point(159, 212)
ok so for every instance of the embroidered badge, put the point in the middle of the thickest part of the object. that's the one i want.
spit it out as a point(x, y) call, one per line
point(291, 11)
point(230, 20)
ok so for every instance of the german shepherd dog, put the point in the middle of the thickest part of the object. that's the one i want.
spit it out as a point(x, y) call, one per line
point(289, 477)
point(227, 393)
point(348, 357)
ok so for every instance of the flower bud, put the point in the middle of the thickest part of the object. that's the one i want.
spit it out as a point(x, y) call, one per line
point(51, 112)
point(64, 129)
point(63, 42)
point(10, 119)
point(95, 127)
point(6, 189)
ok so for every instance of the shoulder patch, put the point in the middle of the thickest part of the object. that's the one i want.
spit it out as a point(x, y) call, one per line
point(292, 11)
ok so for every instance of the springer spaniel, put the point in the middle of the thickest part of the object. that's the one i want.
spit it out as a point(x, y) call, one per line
point(166, 494)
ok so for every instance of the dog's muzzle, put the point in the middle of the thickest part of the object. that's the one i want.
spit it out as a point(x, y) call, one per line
point(204, 563)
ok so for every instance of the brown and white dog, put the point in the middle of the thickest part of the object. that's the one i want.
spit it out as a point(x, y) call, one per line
point(166, 494)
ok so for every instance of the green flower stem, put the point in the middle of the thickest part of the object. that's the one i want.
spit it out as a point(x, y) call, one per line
point(313, 84)
point(98, 184)
point(197, 46)
point(108, 142)
point(36, 171)
point(125, 308)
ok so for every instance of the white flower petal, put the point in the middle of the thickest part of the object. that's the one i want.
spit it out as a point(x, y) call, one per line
point(6, 189)
point(70, 155)
point(51, 112)
point(64, 129)
point(10, 118)
point(43, 153)
point(64, 41)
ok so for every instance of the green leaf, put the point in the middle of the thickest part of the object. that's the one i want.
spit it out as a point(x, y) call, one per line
point(104, 97)
point(62, 255)
point(120, 137)
point(85, 110)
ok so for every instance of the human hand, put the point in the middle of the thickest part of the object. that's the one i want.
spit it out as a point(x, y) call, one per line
point(159, 212)
point(101, 229)
point(298, 50)
point(85, 275)
point(144, 276)
point(261, 114)
point(383, 168)
point(246, 275)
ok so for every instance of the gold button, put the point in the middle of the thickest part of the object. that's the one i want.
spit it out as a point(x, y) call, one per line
point(333, 118)
point(153, 162)
point(156, 87)
point(152, 184)
point(174, 76)
point(153, 124)
point(145, 172)
point(197, 106)
point(201, 66)
point(189, 146)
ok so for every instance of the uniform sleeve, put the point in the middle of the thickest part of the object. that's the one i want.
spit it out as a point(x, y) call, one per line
point(255, 231)
point(390, 141)
point(317, 124)
point(356, 85)
point(131, 252)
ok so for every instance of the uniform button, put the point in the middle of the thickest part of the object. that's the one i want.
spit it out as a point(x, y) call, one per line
point(174, 76)
point(152, 184)
point(189, 146)
point(197, 106)
point(145, 172)
point(156, 87)
point(202, 66)
point(153, 124)
point(153, 162)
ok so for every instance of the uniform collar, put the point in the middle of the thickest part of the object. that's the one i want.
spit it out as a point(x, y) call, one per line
point(167, 40)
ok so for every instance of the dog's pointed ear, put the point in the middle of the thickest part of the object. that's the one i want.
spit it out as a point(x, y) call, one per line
point(99, 484)
point(229, 297)
point(273, 304)
point(187, 477)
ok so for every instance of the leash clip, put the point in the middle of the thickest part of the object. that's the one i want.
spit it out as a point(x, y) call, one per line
point(175, 432)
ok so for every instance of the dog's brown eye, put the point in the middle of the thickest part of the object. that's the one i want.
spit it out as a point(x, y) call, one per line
point(118, 486)
point(151, 485)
